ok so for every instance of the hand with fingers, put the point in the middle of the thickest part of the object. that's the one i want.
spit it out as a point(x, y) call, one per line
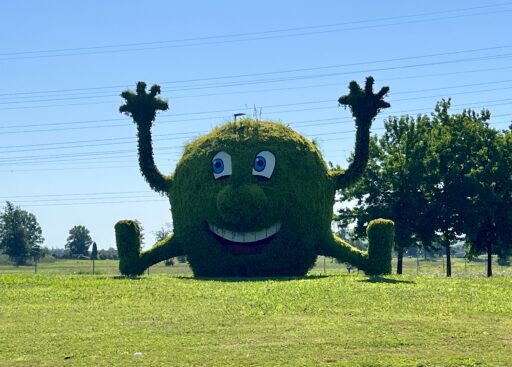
point(364, 104)
point(142, 106)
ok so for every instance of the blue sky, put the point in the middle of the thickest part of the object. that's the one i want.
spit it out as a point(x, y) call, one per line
point(69, 157)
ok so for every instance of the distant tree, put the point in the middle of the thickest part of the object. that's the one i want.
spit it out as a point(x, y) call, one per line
point(163, 232)
point(94, 256)
point(79, 241)
point(141, 233)
point(94, 251)
point(36, 252)
point(110, 254)
point(20, 234)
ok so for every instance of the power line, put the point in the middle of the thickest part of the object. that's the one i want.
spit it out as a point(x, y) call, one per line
point(295, 78)
point(277, 72)
point(248, 109)
point(192, 134)
point(88, 155)
point(263, 90)
point(262, 35)
point(78, 194)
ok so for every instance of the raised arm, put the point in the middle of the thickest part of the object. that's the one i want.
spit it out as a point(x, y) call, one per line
point(365, 105)
point(142, 107)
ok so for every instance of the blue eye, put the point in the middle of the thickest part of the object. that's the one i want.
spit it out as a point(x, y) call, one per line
point(221, 165)
point(218, 165)
point(264, 164)
point(259, 163)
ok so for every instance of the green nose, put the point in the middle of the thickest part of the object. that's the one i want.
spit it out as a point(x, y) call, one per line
point(244, 207)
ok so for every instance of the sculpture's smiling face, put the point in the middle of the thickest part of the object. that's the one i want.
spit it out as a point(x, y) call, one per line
point(244, 212)
point(251, 198)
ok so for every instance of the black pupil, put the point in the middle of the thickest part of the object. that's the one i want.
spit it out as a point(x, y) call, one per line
point(259, 162)
point(218, 164)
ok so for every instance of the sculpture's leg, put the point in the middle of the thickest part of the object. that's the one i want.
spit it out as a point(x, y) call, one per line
point(131, 260)
point(378, 258)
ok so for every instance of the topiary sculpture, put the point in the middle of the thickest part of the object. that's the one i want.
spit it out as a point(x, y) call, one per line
point(252, 198)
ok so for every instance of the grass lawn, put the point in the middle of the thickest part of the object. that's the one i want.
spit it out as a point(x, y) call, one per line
point(411, 266)
point(335, 320)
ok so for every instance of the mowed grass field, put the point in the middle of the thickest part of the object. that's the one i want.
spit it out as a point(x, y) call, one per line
point(333, 320)
point(411, 266)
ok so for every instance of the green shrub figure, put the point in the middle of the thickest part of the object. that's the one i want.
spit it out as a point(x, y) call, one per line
point(252, 198)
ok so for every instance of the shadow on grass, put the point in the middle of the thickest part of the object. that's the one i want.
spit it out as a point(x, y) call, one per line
point(251, 279)
point(128, 277)
point(380, 279)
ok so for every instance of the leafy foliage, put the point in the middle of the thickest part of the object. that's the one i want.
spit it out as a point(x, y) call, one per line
point(298, 197)
point(20, 234)
point(78, 241)
point(441, 178)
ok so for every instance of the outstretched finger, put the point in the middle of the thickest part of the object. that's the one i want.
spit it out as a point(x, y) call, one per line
point(354, 87)
point(382, 92)
point(368, 88)
point(141, 88)
point(383, 104)
point(155, 89)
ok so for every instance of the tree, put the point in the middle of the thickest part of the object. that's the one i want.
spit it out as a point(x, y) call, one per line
point(492, 221)
point(459, 148)
point(94, 255)
point(94, 251)
point(393, 185)
point(78, 241)
point(163, 232)
point(20, 233)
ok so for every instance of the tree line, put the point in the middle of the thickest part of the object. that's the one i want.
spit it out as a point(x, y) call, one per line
point(21, 237)
point(442, 178)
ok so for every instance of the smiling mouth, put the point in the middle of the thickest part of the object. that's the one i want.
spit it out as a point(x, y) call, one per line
point(245, 242)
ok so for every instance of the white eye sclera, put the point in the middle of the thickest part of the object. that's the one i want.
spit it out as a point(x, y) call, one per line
point(264, 164)
point(221, 165)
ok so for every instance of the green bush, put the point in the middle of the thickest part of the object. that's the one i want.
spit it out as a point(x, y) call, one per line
point(381, 234)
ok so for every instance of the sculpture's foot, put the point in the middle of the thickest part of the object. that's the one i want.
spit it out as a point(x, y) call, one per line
point(381, 234)
point(128, 247)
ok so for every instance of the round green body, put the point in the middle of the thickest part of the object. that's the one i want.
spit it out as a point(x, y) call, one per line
point(239, 222)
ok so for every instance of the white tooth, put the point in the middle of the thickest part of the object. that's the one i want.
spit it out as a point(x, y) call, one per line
point(246, 237)
point(262, 235)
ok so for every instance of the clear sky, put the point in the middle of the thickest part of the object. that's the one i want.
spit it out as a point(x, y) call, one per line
point(69, 157)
